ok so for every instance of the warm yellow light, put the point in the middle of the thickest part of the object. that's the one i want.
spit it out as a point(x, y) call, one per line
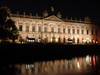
point(84, 40)
point(78, 65)
point(51, 40)
point(56, 40)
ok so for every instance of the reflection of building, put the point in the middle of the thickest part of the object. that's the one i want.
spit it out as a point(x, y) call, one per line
point(61, 67)
point(54, 29)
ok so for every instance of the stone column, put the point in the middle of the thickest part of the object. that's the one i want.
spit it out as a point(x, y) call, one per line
point(85, 30)
point(49, 33)
point(30, 27)
point(71, 30)
point(36, 29)
point(24, 27)
point(61, 29)
point(42, 31)
point(66, 30)
point(36, 33)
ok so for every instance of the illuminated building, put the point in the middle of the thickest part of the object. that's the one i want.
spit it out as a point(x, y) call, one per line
point(55, 29)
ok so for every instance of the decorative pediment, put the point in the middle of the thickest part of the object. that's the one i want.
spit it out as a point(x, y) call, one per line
point(53, 18)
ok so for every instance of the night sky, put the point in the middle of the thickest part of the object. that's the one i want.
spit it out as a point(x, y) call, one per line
point(68, 8)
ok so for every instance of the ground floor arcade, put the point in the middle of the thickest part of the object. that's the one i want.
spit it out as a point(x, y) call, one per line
point(57, 38)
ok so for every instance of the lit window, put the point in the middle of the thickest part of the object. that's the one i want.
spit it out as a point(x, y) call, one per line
point(73, 40)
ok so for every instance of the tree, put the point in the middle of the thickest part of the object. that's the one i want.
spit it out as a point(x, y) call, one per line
point(8, 29)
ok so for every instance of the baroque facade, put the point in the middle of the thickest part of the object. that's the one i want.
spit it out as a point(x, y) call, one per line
point(55, 29)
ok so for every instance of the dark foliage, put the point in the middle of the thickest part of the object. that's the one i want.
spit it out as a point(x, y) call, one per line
point(8, 29)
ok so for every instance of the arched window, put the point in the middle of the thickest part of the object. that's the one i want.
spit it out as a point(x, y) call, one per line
point(92, 32)
point(73, 31)
point(78, 41)
point(59, 39)
point(53, 39)
point(64, 40)
point(64, 30)
point(58, 30)
point(45, 29)
point(39, 39)
point(87, 32)
point(46, 39)
point(73, 40)
point(82, 40)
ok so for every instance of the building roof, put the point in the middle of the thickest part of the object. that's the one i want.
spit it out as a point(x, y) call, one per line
point(51, 18)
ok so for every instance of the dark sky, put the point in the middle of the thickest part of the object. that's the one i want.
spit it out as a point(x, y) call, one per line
point(68, 8)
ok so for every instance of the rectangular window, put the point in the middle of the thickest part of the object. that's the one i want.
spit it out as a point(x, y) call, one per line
point(58, 30)
point(52, 30)
point(33, 29)
point(68, 31)
point(20, 27)
point(39, 29)
point(45, 29)
point(92, 32)
point(82, 31)
point(73, 31)
point(77, 31)
point(87, 32)
point(64, 30)
point(27, 28)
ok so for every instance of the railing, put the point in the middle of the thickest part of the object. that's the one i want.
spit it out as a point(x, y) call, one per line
point(38, 17)
point(25, 16)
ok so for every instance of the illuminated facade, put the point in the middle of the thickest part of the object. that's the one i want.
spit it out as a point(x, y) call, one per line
point(55, 29)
